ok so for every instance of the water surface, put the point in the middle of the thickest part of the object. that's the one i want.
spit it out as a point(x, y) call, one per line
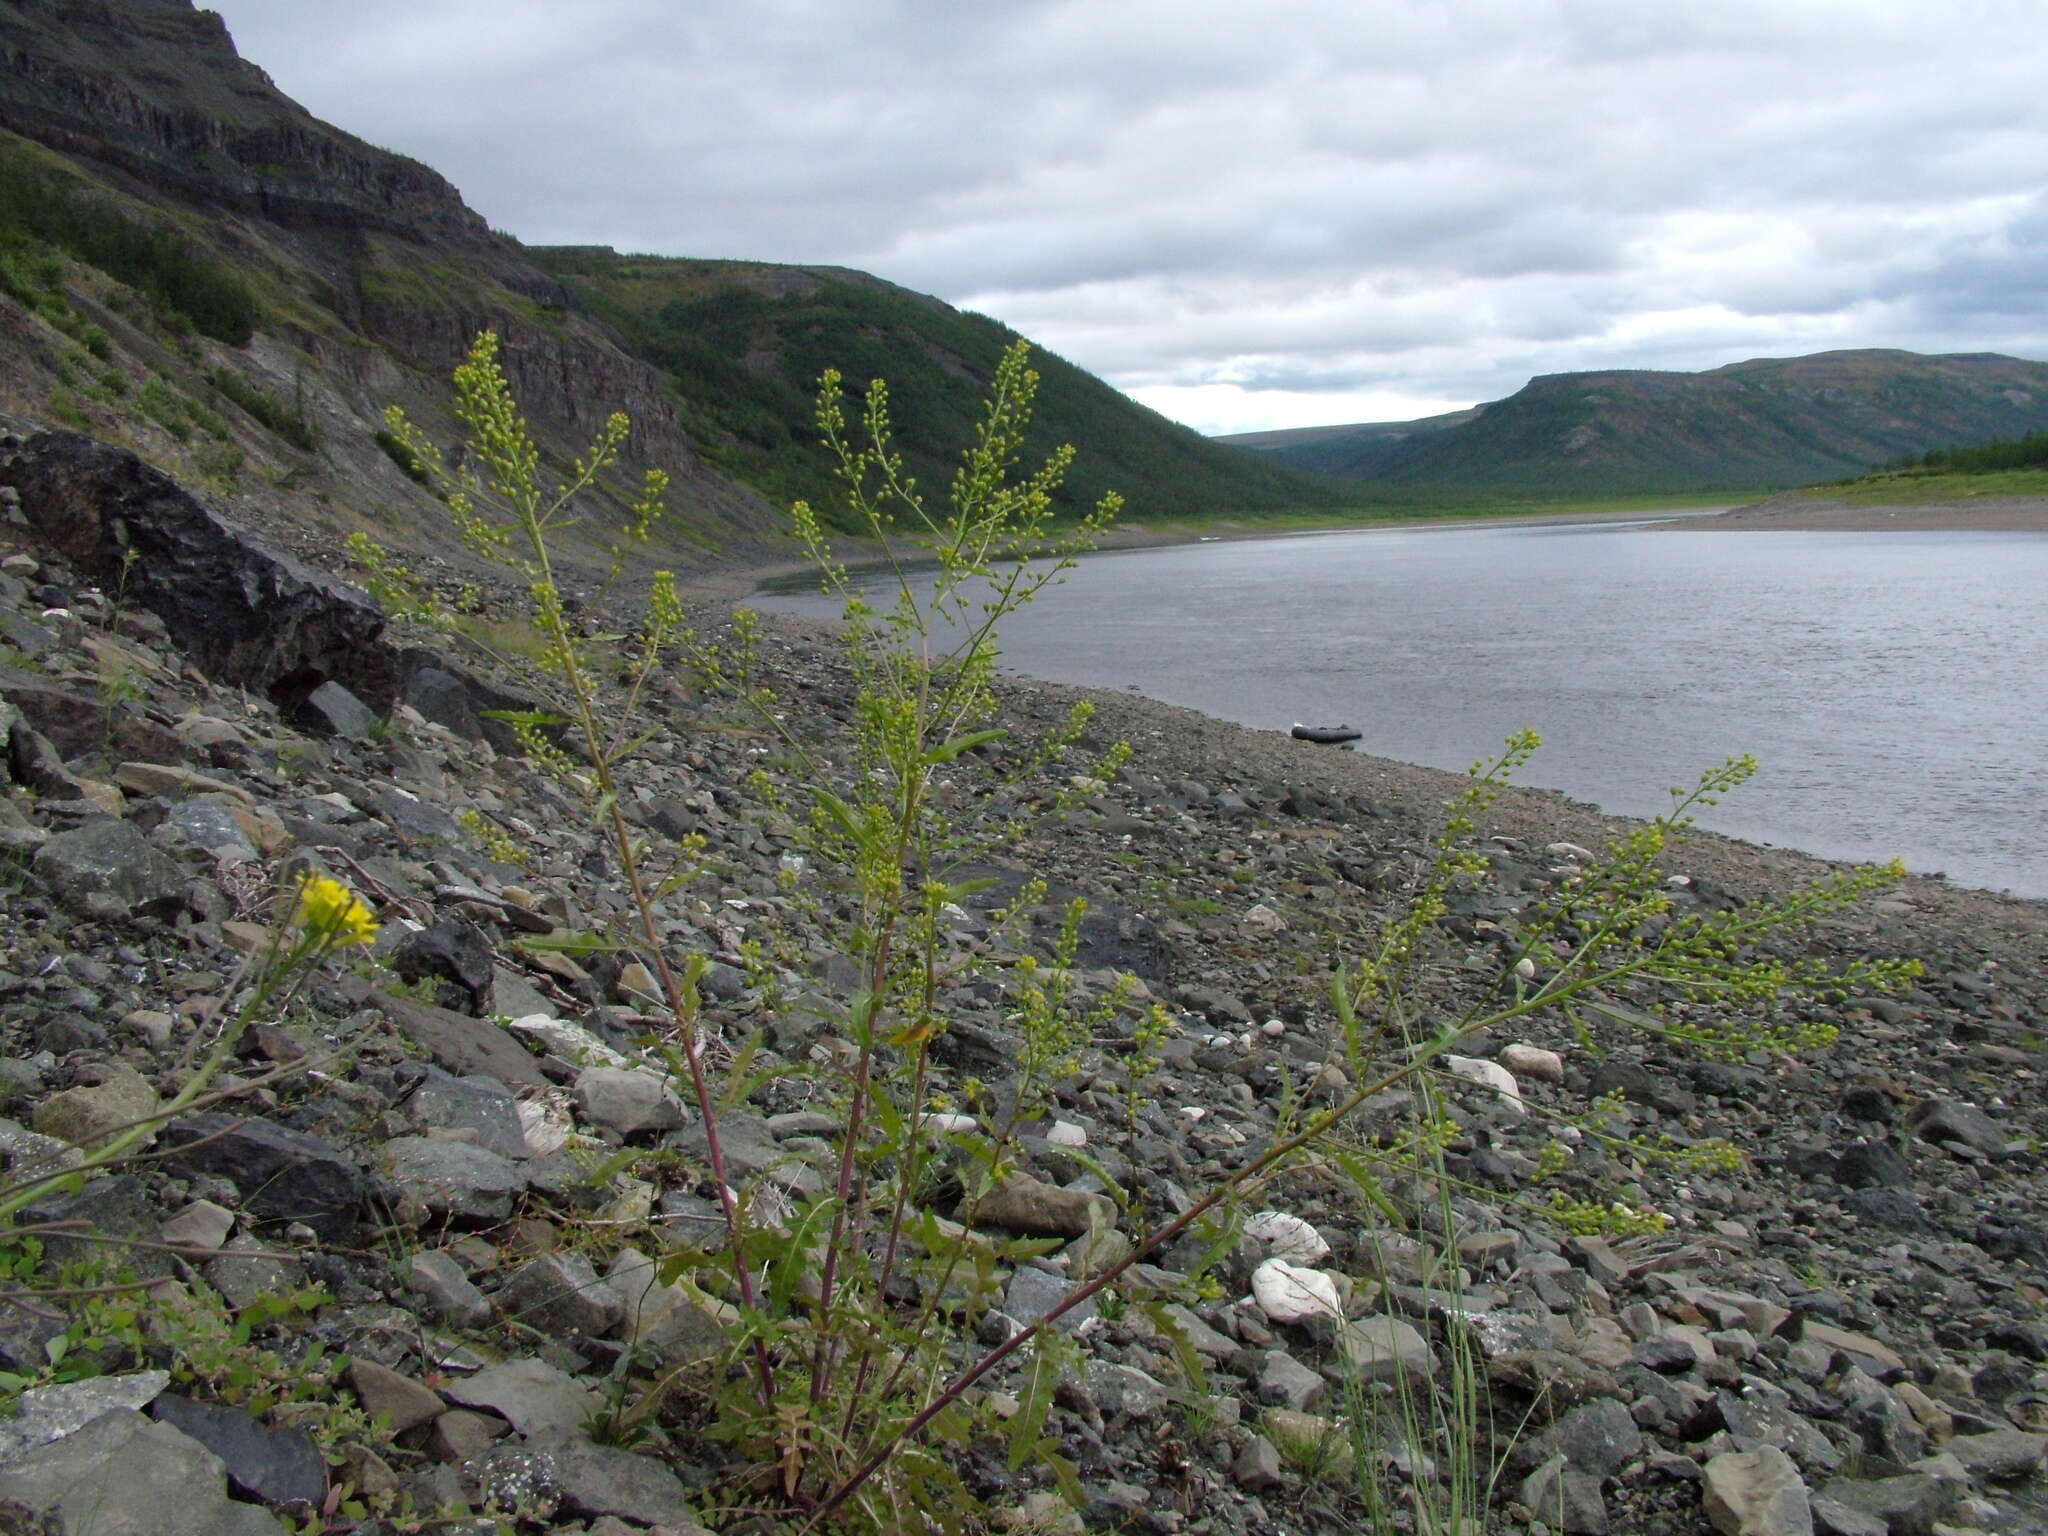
point(1891, 684)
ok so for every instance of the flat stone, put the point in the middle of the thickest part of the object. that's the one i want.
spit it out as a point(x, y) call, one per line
point(43, 1414)
point(443, 1101)
point(396, 1402)
point(1951, 1121)
point(274, 1466)
point(2003, 1456)
point(445, 1287)
point(1034, 1292)
point(108, 870)
point(123, 1475)
point(1031, 1206)
point(1284, 1382)
point(282, 1174)
point(1384, 1349)
point(1756, 1493)
point(453, 1179)
point(633, 1101)
point(561, 1294)
point(172, 779)
point(666, 1320)
point(92, 1114)
point(532, 1394)
point(208, 824)
point(595, 1480)
point(1827, 1336)
point(1909, 1504)
point(463, 1045)
point(247, 1271)
point(1565, 1498)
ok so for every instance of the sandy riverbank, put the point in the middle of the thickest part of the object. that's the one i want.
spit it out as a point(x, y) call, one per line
point(1796, 512)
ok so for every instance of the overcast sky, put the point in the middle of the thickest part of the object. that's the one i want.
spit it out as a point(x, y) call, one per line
point(1268, 213)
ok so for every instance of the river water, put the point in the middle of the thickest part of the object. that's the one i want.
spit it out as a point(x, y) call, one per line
point(1894, 686)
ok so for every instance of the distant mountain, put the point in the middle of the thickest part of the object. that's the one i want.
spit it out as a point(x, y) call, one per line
point(745, 343)
point(1765, 424)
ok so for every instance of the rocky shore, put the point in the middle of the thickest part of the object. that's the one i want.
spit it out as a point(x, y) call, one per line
point(435, 1202)
point(1809, 512)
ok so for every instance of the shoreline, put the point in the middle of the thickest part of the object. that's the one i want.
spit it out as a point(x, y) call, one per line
point(1802, 512)
point(1754, 865)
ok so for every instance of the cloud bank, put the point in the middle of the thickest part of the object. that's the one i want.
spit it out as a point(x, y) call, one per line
point(1252, 216)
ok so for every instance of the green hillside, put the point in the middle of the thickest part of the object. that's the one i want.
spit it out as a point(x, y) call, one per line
point(745, 343)
point(1770, 423)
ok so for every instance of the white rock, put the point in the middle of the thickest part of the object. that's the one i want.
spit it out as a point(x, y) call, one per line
point(1490, 1074)
point(1192, 1113)
point(546, 1124)
point(1289, 1293)
point(946, 1124)
point(1273, 1029)
point(571, 1042)
point(1526, 1060)
point(1526, 968)
point(1064, 1133)
point(1568, 851)
point(1287, 1237)
point(1265, 919)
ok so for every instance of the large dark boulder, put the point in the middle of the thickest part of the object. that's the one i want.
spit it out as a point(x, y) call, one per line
point(246, 612)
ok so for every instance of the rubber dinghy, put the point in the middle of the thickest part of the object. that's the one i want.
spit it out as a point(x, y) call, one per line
point(1328, 735)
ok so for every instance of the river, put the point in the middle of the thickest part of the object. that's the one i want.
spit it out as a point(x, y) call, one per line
point(1894, 686)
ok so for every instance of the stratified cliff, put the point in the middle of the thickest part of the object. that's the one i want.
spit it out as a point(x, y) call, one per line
point(368, 273)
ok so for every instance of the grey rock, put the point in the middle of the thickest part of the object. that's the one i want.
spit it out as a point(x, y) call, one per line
point(633, 1101)
point(456, 956)
point(1033, 1292)
point(123, 1475)
point(665, 1320)
point(92, 1114)
point(1384, 1349)
point(533, 1395)
point(561, 1294)
point(282, 1174)
point(446, 1288)
point(108, 870)
point(206, 823)
point(1952, 1122)
point(1258, 1465)
point(2003, 1456)
point(1124, 1391)
point(1565, 1498)
point(1598, 1438)
point(1284, 1382)
point(1909, 1503)
point(274, 1466)
point(1756, 1493)
point(331, 710)
point(594, 1480)
point(43, 1414)
point(1028, 1205)
point(453, 1179)
point(247, 1271)
point(394, 1401)
point(480, 1104)
point(463, 1045)
point(1760, 1415)
point(1833, 1519)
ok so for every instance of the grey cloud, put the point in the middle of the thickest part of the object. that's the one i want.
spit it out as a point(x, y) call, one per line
point(1300, 196)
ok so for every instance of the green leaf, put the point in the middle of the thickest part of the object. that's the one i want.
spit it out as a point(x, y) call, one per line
point(537, 718)
point(1185, 1355)
point(1366, 1181)
point(569, 942)
point(960, 890)
point(945, 752)
point(1034, 1402)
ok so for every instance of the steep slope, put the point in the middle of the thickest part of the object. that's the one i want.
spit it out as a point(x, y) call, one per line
point(136, 142)
point(1766, 423)
point(746, 342)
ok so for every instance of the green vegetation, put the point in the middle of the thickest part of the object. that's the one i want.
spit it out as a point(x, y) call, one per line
point(286, 421)
point(2029, 452)
point(847, 1403)
point(744, 342)
point(43, 211)
point(1768, 424)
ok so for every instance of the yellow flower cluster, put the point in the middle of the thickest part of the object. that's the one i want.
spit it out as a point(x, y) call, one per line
point(330, 912)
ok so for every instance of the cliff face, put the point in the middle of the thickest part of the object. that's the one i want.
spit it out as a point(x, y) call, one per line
point(156, 89)
point(374, 277)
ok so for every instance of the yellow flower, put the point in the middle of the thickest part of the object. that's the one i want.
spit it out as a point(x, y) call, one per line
point(331, 912)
